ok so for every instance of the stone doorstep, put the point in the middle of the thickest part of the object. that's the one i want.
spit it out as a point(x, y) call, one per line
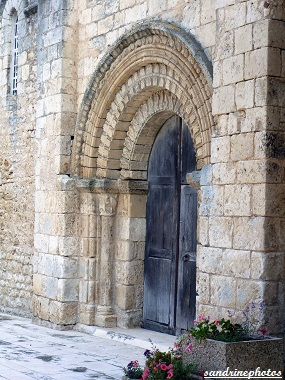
point(138, 337)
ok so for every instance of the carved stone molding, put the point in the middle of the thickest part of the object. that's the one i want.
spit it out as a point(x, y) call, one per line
point(156, 56)
point(112, 186)
point(107, 204)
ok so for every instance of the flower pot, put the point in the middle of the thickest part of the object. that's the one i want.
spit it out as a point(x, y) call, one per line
point(245, 355)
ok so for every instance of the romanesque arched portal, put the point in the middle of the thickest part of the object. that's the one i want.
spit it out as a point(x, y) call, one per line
point(154, 72)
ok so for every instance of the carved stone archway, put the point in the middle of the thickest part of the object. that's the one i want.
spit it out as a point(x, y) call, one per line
point(153, 72)
point(155, 56)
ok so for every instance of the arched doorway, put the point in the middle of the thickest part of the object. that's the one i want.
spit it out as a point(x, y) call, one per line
point(171, 223)
point(153, 72)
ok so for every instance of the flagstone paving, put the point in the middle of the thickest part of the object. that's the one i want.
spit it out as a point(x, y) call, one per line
point(29, 351)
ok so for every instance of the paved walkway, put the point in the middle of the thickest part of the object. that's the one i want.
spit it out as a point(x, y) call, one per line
point(29, 351)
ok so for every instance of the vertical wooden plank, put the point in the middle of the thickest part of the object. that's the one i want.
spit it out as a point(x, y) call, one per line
point(161, 236)
point(186, 300)
point(170, 260)
point(186, 289)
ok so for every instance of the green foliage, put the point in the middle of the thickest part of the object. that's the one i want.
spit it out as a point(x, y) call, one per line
point(223, 330)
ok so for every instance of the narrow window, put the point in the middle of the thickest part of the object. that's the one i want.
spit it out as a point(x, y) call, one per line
point(14, 62)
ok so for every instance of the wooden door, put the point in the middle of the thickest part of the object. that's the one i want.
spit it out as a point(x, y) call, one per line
point(170, 260)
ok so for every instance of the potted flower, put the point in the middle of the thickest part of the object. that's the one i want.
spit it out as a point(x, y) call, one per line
point(166, 365)
point(133, 370)
point(160, 365)
point(221, 345)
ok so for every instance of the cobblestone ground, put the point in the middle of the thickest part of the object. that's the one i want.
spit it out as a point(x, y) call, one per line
point(29, 351)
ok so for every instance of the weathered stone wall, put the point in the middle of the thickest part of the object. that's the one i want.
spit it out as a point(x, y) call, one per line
point(17, 161)
point(56, 257)
point(241, 213)
point(102, 23)
point(95, 122)
point(118, 130)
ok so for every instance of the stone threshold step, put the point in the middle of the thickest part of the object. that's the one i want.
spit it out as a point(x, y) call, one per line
point(135, 336)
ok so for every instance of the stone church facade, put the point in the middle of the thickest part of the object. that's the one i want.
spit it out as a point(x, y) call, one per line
point(86, 86)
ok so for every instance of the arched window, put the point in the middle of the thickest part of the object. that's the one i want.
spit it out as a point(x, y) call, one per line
point(14, 53)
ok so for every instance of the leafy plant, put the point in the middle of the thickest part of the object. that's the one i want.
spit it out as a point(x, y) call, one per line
point(165, 365)
point(228, 331)
point(223, 330)
point(133, 370)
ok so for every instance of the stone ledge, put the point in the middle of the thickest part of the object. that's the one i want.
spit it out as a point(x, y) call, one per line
point(137, 337)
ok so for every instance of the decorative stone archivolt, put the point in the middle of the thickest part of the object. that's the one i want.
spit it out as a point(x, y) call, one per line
point(144, 127)
point(153, 72)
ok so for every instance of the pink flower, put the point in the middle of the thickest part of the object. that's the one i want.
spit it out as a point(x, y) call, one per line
point(165, 367)
point(195, 322)
point(216, 322)
point(201, 318)
point(189, 347)
point(135, 363)
point(145, 373)
point(170, 374)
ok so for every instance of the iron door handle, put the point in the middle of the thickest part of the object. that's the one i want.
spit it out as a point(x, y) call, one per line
point(186, 257)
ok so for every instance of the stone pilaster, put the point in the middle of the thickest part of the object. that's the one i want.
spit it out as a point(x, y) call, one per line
point(56, 249)
point(107, 210)
point(130, 256)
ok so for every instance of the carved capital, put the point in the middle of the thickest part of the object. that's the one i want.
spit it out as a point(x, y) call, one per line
point(107, 204)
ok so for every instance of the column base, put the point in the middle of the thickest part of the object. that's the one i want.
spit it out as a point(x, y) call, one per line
point(105, 317)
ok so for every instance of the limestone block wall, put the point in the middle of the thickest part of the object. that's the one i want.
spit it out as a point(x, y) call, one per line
point(241, 213)
point(232, 226)
point(88, 238)
point(56, 255)
point(235, 247)
point(273, 205)
point(17, 160)
point(83, 45)
point(102, 23)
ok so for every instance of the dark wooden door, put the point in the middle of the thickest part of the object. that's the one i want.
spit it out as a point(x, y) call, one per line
point(170, 259)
